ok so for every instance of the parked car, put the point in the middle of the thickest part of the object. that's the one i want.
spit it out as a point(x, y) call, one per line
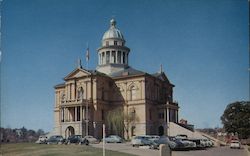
point(207, 142)
point(90, 139)
point(153, 137)
point(172, 142)
point(181, 136)
point(177, 145)
point(187, 143)
point(141, 140)
point(56, 139)
point(113, 139)
point(235, 144)
point(42, 139)
point(76, 139)
point(199, 143)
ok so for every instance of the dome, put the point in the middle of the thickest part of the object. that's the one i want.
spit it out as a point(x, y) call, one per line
point(113, 32)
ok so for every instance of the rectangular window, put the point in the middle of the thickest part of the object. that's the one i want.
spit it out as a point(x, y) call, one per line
point(119, 57)
point(103, 58)
point(107, 43)
point(115, 42)
point(107, 57)
point(78, 113)
point(124, 57)
point(102, 114)
point(150, 114)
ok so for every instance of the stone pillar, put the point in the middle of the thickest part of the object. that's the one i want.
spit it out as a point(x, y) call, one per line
point(73, 91)
point(125, 58)
point(165, 150)
point(116, 56)
point(75, 113)
point(122, 57)
point(83, 113)
point(176, 116)
point(110, 57)
point(105, 57)
point(143, 89)
point(99, 59)
point(167, 115)
point(80, 113)
point(69, 114)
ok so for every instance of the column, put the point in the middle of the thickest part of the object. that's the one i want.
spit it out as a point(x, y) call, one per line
point(99, 58)
point(83, 113)
point(69, 117)
point(122, 57)
point(176, 116)
point(116, 56)
point(167, 115)
point(75, 113)
point(105, 59)
point(86, 90)
point(73, 91)
point(110, 56)
point(126, 58)
point(80, 113)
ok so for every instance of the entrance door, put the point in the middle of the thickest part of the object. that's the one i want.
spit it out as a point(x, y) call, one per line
point(69, 131)
point(160, 130)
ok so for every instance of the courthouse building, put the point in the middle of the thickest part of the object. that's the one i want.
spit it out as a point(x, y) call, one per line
point(86, 96)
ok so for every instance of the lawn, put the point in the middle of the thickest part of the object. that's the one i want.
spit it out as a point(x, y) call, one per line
point(32, 149)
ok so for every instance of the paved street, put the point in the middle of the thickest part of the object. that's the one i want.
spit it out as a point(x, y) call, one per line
point(216, 151)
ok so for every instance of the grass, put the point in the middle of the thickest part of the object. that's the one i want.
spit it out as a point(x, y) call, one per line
point(32, 149)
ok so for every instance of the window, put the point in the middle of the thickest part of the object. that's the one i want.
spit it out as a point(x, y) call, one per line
point(107, 43)
point(62, 115)
point(102, 114)
point(115, 42)
point(107, 56)
point(161, 115)
point(119, 57)
point(133, 93)
point(150, 114)
point(103, 58)
point(78, 113)
point(124, 57)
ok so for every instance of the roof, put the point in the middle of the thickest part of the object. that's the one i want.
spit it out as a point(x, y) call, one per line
point(162, 76)
point(129, 71)
point(113, 32)
point(59, 85)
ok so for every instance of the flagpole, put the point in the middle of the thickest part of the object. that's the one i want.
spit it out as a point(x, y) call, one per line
point(87, 108)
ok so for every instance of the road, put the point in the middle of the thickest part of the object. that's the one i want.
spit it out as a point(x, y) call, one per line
point(216, 151)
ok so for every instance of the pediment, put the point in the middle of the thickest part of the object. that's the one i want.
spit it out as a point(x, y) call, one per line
point(78, 72)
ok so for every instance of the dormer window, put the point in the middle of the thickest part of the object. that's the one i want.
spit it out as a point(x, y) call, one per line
point(115, 42)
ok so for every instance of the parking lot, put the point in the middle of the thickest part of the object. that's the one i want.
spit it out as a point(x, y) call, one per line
point(142, 151)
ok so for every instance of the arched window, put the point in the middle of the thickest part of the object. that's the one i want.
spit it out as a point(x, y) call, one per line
point(80, 93)
point(133, 93)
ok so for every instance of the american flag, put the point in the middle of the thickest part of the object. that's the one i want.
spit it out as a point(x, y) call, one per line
point(87, 54)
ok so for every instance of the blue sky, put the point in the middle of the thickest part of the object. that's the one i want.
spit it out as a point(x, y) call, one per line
point(203, 46)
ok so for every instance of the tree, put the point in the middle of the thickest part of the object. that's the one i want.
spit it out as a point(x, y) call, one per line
point(118, 121)
point(236, 119)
